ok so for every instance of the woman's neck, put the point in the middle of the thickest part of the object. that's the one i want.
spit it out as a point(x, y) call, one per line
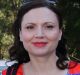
point(43, 64)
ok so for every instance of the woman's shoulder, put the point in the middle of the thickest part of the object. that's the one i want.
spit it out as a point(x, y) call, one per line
point(74, 67)
point(13, 69)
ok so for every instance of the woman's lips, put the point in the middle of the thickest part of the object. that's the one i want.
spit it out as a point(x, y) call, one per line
point(39, 44)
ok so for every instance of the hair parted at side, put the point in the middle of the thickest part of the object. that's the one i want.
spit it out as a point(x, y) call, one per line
point(18, 52)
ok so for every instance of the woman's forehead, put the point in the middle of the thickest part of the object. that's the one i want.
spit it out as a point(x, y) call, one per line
point(40, 14)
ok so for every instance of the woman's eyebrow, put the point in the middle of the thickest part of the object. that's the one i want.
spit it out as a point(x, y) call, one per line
point(30, 24)
point(49, 23)
point(45, 23)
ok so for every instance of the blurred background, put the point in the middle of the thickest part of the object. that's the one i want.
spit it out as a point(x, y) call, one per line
point(71, 15)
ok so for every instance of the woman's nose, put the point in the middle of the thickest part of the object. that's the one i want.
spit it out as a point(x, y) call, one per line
point(39, 33)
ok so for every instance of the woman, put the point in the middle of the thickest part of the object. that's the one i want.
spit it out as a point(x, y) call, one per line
point(39, 46)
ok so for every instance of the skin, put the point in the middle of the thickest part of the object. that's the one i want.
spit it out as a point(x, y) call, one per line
point(41, 25)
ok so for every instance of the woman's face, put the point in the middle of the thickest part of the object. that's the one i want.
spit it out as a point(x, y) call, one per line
point(40, 31)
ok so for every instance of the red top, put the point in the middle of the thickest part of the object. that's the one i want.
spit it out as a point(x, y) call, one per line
point(19, 72)
point(74, 71)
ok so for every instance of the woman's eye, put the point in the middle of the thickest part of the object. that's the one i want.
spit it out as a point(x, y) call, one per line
point(50, 27)
point(30, 27)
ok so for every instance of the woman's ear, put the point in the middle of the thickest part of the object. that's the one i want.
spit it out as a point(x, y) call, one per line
point(60, 35)
point(20, 35)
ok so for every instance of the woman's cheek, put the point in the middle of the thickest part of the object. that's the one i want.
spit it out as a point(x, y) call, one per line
point(52, 35)
point(27, 36)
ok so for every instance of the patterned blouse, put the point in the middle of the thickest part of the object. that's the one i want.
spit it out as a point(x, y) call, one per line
point(74, 70)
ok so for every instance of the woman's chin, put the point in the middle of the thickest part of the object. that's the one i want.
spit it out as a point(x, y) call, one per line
point(41, 53)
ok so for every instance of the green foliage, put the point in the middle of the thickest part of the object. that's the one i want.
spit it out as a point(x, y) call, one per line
point(8, 10)
point(74, 54)
point(6, 41)
point(71, 14)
